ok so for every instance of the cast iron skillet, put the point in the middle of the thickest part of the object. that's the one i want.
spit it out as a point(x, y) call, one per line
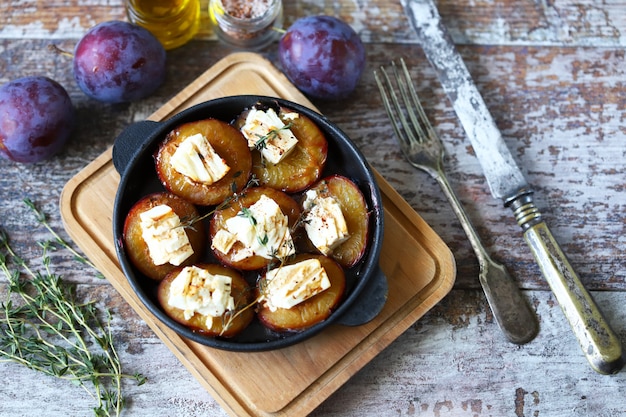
point(366, 290)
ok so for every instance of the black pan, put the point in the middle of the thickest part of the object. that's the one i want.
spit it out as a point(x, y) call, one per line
point(366, 290)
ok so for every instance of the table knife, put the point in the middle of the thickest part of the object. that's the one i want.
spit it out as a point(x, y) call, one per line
point(597, 340)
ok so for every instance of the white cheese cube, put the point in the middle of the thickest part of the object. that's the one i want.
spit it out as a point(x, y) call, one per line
point(195, 290)
point(266, 132)
point(262, 228)
point(324, 222)
point(162, 231)
point(223, 241)
point(196, 159)
point(289, 285)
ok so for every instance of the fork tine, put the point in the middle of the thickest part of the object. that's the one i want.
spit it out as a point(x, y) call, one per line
point(414, 107)
point(417, 104)
point(404, 84)
point(390, 102)
point(406, 110)
point(411, 127)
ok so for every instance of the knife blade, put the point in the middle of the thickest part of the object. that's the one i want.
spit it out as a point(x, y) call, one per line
point(597, 340)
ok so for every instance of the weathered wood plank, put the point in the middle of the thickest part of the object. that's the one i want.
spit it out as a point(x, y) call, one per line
point(453, 362)
point(498, 22)
point(561, 117)
point(558, 99)
point(565, 130)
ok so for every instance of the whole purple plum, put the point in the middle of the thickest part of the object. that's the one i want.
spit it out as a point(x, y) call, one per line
point(119, 62)
point(36, 119)
point(323, 56)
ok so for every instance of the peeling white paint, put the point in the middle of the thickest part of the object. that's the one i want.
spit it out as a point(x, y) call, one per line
point(34, 30)
point(72, 26)
point(580, 23)
point(67, 29)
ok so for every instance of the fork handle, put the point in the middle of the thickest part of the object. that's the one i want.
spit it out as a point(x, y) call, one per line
point(511, 311)
point(596, 338)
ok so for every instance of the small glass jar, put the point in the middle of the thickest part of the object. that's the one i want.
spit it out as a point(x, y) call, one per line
point(246, 24)
point(172, 22)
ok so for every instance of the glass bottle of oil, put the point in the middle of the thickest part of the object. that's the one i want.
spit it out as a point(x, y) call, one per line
point(172, 22)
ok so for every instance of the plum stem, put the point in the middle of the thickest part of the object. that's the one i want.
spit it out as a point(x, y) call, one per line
point(56, 49)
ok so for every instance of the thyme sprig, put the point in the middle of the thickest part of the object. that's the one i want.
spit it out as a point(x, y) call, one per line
point(41, 219)
point(44, 327)
point(261, 142)
point(253, 181)
point(247, 213)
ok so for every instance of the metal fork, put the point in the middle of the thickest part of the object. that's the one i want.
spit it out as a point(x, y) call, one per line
point(424, 150)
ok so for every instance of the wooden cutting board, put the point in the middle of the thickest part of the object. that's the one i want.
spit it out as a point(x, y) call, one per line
point(295, 380)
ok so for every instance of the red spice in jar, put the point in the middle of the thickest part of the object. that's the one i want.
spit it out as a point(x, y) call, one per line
point(247, 24)
point(245, 9)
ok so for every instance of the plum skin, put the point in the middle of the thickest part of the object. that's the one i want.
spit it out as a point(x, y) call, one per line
point(323, 56)
point(228, 325)
point(117, 62)
point(137, 249)
point(36, 119)
point(311, 311)
point(227, 141)
point(303, 166)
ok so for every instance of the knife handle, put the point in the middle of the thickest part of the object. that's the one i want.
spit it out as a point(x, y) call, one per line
point(597, 340)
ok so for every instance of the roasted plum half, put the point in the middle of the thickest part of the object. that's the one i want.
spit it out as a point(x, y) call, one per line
point(356, 215)
point(240, 208)
point(136, 246)
point(303, 165)
point(310, 311)
point(231, 322)
point(227, 142)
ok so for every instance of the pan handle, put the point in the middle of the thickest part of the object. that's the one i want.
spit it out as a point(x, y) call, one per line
point(131, 141)
point(370, 302)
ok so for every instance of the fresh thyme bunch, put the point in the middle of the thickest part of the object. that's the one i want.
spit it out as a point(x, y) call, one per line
point(45, 328)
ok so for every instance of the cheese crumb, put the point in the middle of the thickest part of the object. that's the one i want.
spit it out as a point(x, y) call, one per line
point(162, 231)
point(195, 290)
point(195, 158)
point(223, 240)
point(290, 285)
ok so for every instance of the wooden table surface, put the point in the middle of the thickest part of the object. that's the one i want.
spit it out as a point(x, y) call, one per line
point(552, 74)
